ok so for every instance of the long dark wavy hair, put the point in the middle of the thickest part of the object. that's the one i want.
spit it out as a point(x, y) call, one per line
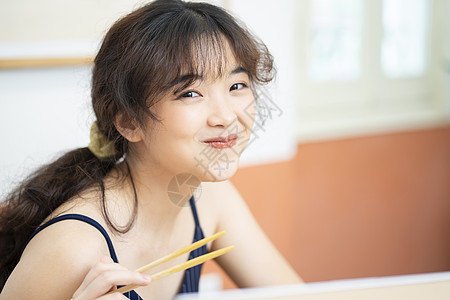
point(143, 56)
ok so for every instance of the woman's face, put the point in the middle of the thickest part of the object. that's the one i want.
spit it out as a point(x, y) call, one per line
point(204, 127)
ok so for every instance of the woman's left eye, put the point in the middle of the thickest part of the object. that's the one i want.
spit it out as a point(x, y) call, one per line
point(238, 86)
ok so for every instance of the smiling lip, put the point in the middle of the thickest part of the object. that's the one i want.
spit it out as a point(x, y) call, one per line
point(222, 142)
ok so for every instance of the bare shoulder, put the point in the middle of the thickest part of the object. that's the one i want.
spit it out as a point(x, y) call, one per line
point(68, 247)
point(87, 203)
point(243, 231)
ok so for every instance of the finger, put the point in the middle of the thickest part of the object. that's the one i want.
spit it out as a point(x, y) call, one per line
point(110, 279)
point(105, 265)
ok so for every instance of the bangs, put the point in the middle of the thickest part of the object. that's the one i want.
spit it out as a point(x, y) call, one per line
point(195, 48)
point(198, 54)
point(194, 45)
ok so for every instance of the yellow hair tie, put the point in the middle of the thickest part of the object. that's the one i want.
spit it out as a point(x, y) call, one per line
point(99, 145)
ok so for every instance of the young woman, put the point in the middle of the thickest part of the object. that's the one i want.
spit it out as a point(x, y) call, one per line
point(173, 92)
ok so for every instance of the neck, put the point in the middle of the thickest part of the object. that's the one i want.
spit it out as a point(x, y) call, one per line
point(161, 196)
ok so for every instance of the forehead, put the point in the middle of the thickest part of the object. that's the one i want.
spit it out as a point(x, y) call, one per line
point(203, 57)
point(210, 58)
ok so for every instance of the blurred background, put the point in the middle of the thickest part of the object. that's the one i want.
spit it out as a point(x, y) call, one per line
point(351, 175)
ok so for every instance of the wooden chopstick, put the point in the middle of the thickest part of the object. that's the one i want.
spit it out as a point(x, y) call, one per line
point(183, 266)
point(180, 252)
point(186, 265)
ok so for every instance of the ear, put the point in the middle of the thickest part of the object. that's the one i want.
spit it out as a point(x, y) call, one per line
point(128, 127)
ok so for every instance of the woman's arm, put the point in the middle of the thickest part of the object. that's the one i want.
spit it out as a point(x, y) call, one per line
point(64, 261)
point(255, 261)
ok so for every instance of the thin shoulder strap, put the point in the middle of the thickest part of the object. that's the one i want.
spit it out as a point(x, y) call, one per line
point(82, 218)
point(194, 211)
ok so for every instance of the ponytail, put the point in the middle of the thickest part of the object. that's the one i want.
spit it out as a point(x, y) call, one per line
point(38, 196)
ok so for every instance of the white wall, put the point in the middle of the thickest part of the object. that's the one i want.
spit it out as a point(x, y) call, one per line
point(46, 111)
point(42, 112)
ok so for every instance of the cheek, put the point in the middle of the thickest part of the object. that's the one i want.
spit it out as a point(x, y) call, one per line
point(182, 122)
point(246, 111)
point(173, 142)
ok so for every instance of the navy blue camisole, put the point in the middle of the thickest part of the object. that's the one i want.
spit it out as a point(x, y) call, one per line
point(191, 276)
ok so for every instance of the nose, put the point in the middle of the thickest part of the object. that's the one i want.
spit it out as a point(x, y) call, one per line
point(221, 112)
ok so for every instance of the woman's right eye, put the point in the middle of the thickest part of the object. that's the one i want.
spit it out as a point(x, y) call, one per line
point(189, 94)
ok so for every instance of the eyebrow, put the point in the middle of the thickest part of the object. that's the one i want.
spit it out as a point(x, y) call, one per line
point(240, 69)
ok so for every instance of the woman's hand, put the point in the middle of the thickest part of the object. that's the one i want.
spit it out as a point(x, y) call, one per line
point(104, 277)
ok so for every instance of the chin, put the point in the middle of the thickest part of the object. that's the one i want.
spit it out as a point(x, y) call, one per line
point(223, 176)
point(217, 172)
